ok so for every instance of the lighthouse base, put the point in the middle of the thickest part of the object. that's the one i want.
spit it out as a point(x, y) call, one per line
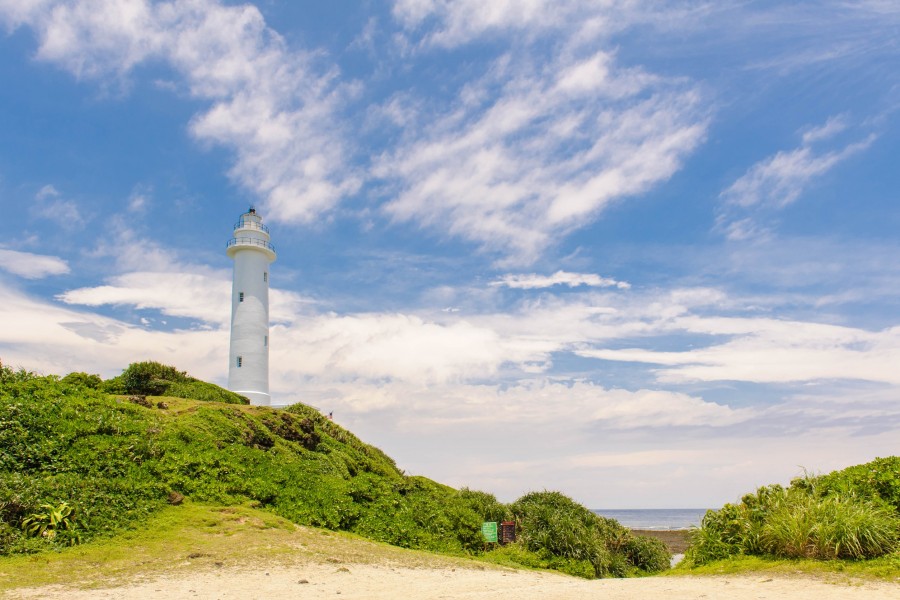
point(256, 398)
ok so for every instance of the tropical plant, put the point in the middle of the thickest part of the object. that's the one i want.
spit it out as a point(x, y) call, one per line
point(52, 521)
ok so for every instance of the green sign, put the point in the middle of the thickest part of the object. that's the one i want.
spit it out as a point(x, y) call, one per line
point(489, 531)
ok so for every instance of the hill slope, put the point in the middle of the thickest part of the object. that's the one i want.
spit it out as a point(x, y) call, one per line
point(79, 463)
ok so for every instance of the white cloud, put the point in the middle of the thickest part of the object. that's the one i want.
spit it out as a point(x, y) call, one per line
point(272, 106)
point(447, 24)
point(779, 180)
point(771, 351)
point(49, 338)
point(529, 403)
point(540, 147)
point(178, 294)
point(31, 266)
point(379, 347)
point(832, 126)
point(140, 198)
point(533, 281)
point(49, 204)
point(459, 22)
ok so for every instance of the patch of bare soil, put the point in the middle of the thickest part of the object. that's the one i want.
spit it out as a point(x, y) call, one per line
point(675, 540)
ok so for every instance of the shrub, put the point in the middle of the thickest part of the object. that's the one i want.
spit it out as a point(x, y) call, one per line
point(151, 378)
point(878, 480)
point(845, 514)
point(646, 553)
point(9, 375)
point(553, 525)
point(155, 379)
point(85, 380)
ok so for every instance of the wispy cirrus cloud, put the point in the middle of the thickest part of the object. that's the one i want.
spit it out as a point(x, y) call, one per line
point(447, 24)
point(779, 180)
point(529, 281)
point(539, 147)
point(50, 204)
point(273, 107)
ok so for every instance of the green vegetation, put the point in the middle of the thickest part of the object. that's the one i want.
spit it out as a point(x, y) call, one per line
point(191, 536)
point(568, 537)
point(79, 464)
point(154, 379)
point(852, 514)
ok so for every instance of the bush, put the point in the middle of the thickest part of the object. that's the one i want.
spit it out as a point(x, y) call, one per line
point(553, 525)
point(151, 378)
point(9, 375)
point(878, 480)
point(93, 382)
point(646, 553)
point(846, 514)
point(155, 379)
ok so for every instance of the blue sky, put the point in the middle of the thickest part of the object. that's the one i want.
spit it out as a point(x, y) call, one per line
point(641, 252)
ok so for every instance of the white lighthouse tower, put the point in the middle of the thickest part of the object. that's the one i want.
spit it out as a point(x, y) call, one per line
point(248, 371)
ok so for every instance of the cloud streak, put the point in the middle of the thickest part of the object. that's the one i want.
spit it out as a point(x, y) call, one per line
point(779, 180)
point(31, 266)
point(530, 281)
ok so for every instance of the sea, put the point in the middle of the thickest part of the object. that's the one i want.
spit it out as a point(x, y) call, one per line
point(655, 518)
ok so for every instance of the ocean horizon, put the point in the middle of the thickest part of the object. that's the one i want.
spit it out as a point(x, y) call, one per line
point(655, 518)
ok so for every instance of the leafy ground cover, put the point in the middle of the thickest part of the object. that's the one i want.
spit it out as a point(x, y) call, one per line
point(80, 464)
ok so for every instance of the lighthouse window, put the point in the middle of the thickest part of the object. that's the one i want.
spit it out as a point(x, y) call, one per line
point(265, 340)
point(241, 297)
point(240, 361)
point(265, 276)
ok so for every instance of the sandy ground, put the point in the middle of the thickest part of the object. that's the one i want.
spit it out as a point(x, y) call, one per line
point(374, 582)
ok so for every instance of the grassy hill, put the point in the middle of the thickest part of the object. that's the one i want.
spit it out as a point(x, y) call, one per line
point(84, 459)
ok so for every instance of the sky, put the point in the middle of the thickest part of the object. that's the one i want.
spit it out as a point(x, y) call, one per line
point(641, 252)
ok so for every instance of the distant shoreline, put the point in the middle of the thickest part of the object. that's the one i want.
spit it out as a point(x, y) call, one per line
point(655, 519)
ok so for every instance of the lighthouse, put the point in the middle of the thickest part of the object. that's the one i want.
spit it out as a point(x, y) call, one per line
point(249, 247)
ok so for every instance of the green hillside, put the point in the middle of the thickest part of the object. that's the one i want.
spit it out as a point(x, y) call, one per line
point(82, 458)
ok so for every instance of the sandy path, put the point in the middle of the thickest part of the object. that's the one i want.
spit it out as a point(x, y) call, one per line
point(375, 582)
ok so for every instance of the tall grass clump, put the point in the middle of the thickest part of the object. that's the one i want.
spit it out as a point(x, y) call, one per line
point(830, 527)
point(842, 515)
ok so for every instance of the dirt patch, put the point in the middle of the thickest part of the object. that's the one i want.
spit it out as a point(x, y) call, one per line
point(676, 540)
